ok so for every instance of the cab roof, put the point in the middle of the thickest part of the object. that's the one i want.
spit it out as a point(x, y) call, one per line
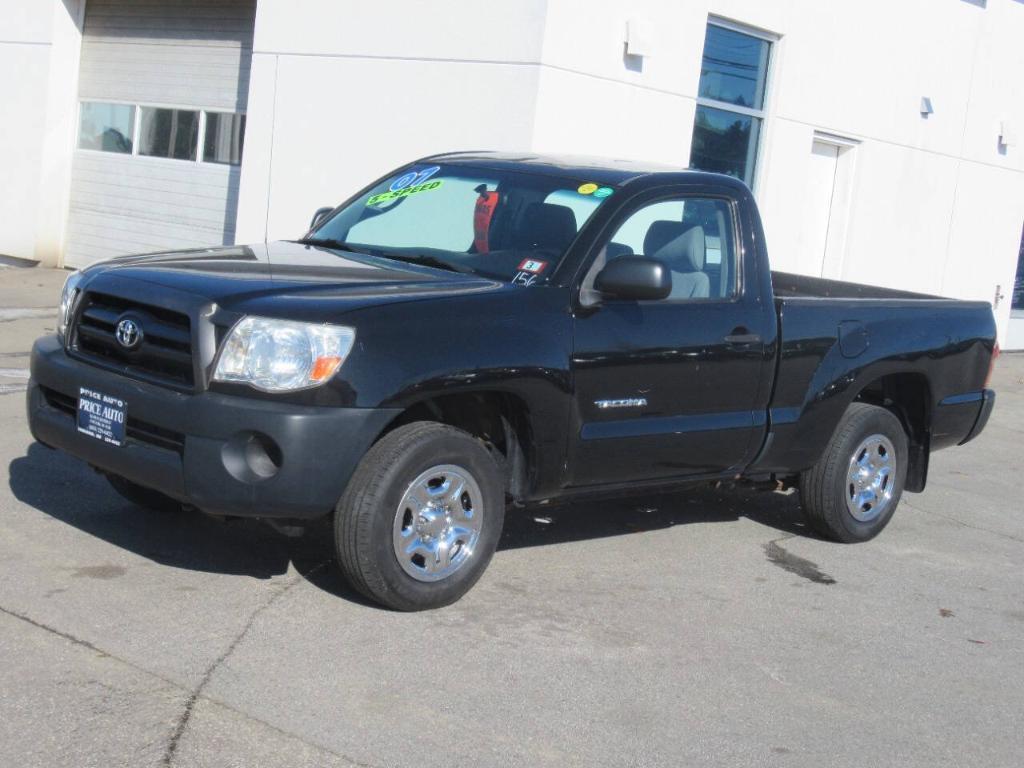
point(598, 169)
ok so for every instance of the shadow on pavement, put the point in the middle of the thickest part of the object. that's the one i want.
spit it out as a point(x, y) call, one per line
point(580, 520)
point(67, 490)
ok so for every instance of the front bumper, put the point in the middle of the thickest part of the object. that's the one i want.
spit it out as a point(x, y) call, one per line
point(224, 454)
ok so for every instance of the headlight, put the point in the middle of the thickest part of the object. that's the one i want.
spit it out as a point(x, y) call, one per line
point(67, 302)
point(281, 355)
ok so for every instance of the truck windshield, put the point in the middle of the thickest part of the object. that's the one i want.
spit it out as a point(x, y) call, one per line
point(506, 225)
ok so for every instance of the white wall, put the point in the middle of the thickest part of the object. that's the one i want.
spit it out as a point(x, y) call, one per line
point(39, 42)
point(25, 36)
point(343, 91)
point(59, 133)
point(593, 100)
point(935, 205)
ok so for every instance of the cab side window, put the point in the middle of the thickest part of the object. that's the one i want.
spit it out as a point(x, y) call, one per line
point(693, 236)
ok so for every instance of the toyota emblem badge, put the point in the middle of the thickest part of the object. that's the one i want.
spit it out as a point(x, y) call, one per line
point(128, 333)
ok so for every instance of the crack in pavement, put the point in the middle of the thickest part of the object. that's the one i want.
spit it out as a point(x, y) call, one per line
point(59, 633)
point(26, 313)
point(952, 519)
point(787, 561)
point(196, 694)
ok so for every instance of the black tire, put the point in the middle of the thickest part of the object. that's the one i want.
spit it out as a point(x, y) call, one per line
point(143, 497)
point(365, 517)
point(824, 489)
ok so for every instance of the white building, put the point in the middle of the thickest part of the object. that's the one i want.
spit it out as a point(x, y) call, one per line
point(884, 139)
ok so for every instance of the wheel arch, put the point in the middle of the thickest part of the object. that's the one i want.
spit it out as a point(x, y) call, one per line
point(501, 420)
point(908, 395)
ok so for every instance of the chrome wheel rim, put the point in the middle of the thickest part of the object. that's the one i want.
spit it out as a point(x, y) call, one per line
point(871, 478)
point(438, 523)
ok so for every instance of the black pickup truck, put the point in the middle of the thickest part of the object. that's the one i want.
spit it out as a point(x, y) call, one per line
point(477, 331)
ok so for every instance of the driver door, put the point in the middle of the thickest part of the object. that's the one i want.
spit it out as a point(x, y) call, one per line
point(668, 389)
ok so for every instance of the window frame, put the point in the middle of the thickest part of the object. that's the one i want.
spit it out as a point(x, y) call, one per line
point(204, 123)
point(655, 196)
point(200, 132)
point(725, 106)
point(111, 102)
point(137, 107)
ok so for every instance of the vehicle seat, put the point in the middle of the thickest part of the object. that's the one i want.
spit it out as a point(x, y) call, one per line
point(613, 250)
point(589, 294)
point(545, 226)
point(683, 250)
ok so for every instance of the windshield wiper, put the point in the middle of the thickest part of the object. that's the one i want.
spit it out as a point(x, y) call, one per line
point(427, 261)
point(327, 242)
point(413, 258)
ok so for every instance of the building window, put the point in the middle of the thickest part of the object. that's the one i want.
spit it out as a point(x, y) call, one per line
point(168, 133)
point(224, 135)
point(106, 127)
point(730, 102)
point(165, 132)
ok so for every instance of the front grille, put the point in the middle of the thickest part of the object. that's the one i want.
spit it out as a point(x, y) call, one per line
point(136, 429)
point(164, 355)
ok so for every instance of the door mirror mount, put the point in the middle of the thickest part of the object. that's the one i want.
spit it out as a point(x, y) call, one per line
point(635, 278)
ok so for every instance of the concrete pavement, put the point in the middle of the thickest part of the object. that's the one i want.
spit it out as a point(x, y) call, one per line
point(696, 628)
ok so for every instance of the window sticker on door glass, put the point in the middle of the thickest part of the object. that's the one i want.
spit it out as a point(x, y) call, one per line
point(603, 192)
point(386, 197)
point(587, 189)
point(533, 266)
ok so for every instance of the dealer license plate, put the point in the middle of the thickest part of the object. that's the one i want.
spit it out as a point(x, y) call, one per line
point(101, 416)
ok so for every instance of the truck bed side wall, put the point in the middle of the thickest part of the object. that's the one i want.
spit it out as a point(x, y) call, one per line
point(949, 343)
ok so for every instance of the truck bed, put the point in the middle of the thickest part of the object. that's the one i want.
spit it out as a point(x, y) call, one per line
point(788, 285)
point(836, 337)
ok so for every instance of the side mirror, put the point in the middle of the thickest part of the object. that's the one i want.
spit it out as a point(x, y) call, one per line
point(320, 213)
point(636, 278)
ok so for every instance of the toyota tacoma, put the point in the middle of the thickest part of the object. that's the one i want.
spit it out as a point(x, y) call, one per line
point(477, 332)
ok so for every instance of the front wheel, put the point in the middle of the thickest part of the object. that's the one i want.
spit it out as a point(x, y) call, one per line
point(421, 517)
point(851, 493)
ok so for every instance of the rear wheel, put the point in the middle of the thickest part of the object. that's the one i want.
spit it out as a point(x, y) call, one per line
point(852, 492)
point(421, 517)
point(143, 497)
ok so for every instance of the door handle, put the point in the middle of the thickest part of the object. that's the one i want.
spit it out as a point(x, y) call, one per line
point(743, 338)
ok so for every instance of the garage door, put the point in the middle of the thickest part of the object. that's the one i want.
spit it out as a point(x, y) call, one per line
point(162, 98)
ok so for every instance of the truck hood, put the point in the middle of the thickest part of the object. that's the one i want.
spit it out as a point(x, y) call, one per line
point(243, 277)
